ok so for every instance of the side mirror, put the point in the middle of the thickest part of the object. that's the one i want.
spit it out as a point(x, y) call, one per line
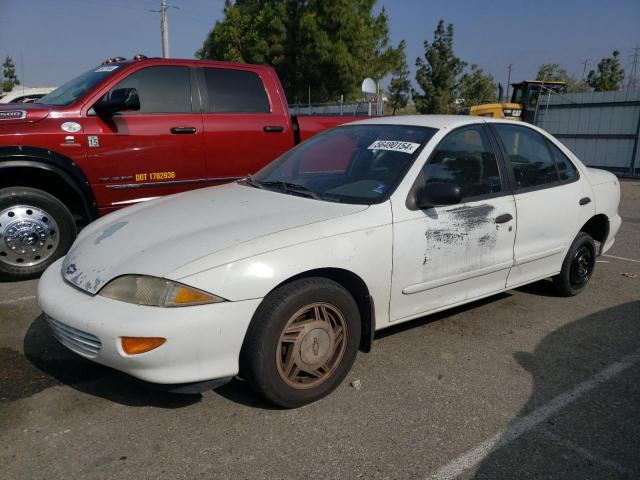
point(438, 195)
point(118, 100)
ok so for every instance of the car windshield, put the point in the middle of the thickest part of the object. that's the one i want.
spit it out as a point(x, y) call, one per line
point(74, 89)
point(359, 164)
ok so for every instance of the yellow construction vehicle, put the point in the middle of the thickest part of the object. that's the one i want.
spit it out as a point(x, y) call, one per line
point(524, 101)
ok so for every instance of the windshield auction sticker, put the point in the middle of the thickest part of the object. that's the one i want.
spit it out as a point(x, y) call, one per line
point(394, 146)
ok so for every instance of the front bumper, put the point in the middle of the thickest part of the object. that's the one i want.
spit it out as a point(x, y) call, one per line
point(203, 342)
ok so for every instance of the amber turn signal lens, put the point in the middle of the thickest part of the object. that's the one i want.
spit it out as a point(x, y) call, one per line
point(135, 345)
point(187, 295)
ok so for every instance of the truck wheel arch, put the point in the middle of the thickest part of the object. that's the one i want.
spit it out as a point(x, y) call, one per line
point(49, 166)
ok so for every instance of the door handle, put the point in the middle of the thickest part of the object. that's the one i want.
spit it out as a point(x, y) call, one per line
point(183, 130)
point(273, 128)
point(504, 218)
point(584, 201)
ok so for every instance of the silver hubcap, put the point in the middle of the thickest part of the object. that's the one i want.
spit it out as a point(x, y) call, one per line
point(28, 236)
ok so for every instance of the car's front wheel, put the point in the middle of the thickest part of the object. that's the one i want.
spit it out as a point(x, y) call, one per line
point(577, 266)
point(302, 342)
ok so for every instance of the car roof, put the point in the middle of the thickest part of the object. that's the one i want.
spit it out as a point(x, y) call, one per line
point(433, 121)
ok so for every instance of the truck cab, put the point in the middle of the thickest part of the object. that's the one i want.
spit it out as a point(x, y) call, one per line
point(128, 131)
point(524, 101)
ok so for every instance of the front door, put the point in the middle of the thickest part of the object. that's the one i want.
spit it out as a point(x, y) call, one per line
point(448, 255)
point(155, 151)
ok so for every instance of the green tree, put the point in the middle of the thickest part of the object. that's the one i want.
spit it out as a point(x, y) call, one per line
point(437, 75)
point(10, 79)
point(553, 72)
point(476, 88)
point(609, 75)
point(328, 46)
point(400, 85)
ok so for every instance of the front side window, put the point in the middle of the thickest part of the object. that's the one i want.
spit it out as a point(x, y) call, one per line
point(528, 155)
point(162, 89)
point(360, 164)
point(465, 157)
point(235, 91)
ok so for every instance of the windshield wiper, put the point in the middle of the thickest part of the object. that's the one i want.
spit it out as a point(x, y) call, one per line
point(249, 180)
point(291, 187)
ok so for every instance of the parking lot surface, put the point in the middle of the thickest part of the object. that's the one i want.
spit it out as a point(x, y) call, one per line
point(521, 385)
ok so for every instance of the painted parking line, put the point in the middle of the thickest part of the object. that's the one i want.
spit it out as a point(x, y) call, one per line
point(622, 258)
point(17, 300)
point(584, 453)
point(473, 457)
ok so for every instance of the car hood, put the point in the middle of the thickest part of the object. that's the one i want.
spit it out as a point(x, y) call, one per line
point(159, 236)
point(22, 112)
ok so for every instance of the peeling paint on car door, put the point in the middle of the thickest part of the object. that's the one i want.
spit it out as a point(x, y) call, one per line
point(447, 255)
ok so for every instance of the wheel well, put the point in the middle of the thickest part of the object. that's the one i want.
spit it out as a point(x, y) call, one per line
point(49, 182)
point(598, 228)
point(358, 290)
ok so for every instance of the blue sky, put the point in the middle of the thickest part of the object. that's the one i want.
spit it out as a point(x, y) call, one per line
point(54, 40)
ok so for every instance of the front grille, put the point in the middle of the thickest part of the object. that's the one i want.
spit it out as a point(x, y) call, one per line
point(80, 342)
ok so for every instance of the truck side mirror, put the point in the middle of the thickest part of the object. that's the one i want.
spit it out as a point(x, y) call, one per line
point(118, 100)
point(438, 195)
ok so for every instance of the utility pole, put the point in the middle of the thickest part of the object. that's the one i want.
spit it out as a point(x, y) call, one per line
point(584, 67)
point(164, 28)
point(507, 98)
point(631, 83)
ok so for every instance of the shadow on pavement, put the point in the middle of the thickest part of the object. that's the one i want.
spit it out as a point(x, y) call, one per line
point(46, 363)
point(597, 434)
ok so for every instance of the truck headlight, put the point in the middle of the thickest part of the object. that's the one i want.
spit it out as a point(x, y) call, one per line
point(155, 292)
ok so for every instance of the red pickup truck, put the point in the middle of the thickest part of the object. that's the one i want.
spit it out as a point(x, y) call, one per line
point(129, 131)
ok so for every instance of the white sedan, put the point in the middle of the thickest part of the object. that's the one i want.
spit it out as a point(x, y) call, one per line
point(281, 277)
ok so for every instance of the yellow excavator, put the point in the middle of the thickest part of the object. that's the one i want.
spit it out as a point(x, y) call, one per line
point(524, 101)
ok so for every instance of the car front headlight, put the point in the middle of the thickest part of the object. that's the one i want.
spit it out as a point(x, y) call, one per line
point(155, 292)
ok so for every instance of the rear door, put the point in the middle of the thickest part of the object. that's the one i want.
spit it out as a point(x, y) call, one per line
point(244, 126)
point(548, 197)
point(155, 151)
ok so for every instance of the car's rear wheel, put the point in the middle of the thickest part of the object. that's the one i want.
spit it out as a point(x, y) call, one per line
point(35, 230)
point(577, 267)
point(302, 342)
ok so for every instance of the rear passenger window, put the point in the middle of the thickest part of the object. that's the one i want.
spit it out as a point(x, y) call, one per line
point(466, 158)
point(528, 154)
point(235, 91)
point(566, 169)
point(162, 89)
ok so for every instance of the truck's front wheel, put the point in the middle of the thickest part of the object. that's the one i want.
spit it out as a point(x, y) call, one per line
point(35, 230)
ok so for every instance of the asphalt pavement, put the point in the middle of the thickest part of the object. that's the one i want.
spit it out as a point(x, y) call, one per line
point(522, 385)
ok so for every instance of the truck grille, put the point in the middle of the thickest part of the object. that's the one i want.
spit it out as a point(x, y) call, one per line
point(80, 342)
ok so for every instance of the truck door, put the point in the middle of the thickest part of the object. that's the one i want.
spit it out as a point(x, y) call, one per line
point(244, 127)
point(158, 150)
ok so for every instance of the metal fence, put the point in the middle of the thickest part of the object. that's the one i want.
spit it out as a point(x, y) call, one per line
point(601, 128)
point(370, 109)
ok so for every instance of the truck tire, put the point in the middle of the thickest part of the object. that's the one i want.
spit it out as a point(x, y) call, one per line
point(35, 230)
point(302, 342)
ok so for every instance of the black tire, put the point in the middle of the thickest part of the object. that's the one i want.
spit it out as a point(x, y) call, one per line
point(48, 214)
point(577, 267)
point(264, 351)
